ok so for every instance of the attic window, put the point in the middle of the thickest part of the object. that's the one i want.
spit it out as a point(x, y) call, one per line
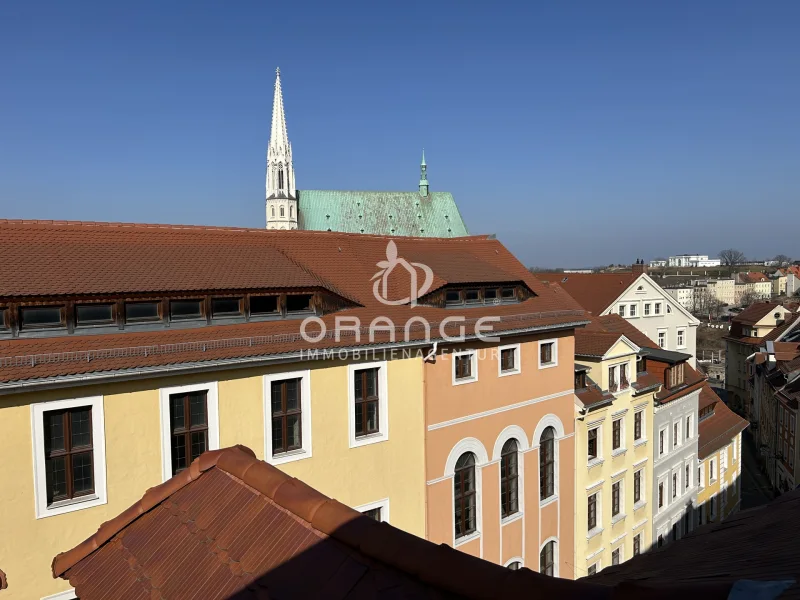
point(42, 316)
point(508, 294)
point(706, 412)
point(3, 318)
point(141, 311)
point(94, 314)
point(490, 294)
point(226, 307)
point(675, 375)
point(641, 364)
point(180, 310)
point(472, 296)
point(298, 303)
point(580, 380)
point(263, 305)
point(452, 297)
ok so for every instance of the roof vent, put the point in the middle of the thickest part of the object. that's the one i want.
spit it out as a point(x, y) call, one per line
point(564, 280)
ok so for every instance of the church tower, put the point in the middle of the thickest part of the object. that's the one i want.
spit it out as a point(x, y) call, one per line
point(281, 190)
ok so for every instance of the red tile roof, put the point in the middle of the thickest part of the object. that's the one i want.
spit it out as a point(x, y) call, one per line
point(232, 526)
point(717, 430)
point(755, 312)
point(758, 544)
point(752, 277)
point(177, 257)
point(615, 323)
point(594, 291)
point(594, 343)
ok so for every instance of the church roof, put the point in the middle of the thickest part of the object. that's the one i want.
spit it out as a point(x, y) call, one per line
point(381, 213)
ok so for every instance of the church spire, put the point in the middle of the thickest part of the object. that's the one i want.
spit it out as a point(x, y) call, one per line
point(423, 176)
point(281, 190)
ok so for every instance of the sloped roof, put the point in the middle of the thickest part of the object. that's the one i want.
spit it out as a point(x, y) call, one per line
point(789, 320)
point(233, 526)
point(594, 343)
point(381, 213)
point(615, 323)
point(758, 544)
point(345, 263)
point(717, 430)
point(755, 312)
point(596, 291)
point(753, 277)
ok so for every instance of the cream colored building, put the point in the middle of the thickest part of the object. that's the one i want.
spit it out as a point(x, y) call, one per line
point(723, 290)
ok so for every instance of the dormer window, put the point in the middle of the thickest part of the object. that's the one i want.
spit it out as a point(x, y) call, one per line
point(94, 314)
point(472, 296)
point(490, 294)
point(641, 364)
point(226, 307)
point(508, 294)
point(40, 317)
point(3, 319)
point(452, 297)
point(298, 303)
point(137, 312)
point(675, 375)
point(182, 310)
point(263, 305)
point(580, 380)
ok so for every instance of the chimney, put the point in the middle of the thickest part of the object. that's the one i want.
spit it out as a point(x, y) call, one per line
point(639, 267)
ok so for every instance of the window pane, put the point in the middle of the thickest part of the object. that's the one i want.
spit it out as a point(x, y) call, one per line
point(82, 473)
point(452, 297)
point(358, 381)
point(372, 383)
point(184, 309)
point(93, 313)
point(56, 478)
point(177, 418)
point(277, 397)
point(3, 318)
point(472, 296)
point(489, 294)
point(41, 316)
point(293, 431)
point(296, 303)
point(508, 293)
point(141, 311)
point(260, 305)
point(197, 408)
point(221, 307)
point(178, 453)
point(277, 434)
point(374, 513)
point(372, 416)
point(199, 444)
point(53, 431)
point(81, 427)
point(360, 418)
point(293, 394)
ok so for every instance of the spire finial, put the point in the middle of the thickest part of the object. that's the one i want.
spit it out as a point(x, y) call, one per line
point(278, 71)
point(423, 176)
point(423, 157)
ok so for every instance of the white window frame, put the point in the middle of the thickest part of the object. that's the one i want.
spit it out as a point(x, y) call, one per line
point(517, 348)
point(665, 432)
point(640, 410)
point(633, 310)
point(621, 310)
point(305, 417)
point(702, 469)
point(623, 446)
point(212, 408)
point(473, 354)
point(100, 495)
point(678, 437)
point(675, 483)
point(657, 309)
point(662, 481)
point(658, 338)
point(734, 443)
point(723, 460)
point(712, 472)
point(549, 365)
point(599, 458)
point(646, 312)
point(383, 504)
point(714, 508)
point(382, 434)
point(689, 429)
point(680, 338)
point(553, 539)
point(598, 493)
point(597, 568)
point(621, 558)
point(642, 488)
point(621, 514)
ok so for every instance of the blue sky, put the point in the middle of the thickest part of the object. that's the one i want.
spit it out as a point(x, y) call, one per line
point(581, 133)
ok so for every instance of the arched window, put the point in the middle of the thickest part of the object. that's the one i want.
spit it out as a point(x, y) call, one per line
point(291, 211)
point(273, 211)
point(547, 463)
point(547, 559)
point(515, 566)
point(280, 177)
point(464, 499)
point(282, 212)
point(509, 473)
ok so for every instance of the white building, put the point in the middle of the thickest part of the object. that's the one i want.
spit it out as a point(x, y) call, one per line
point(693, 260)
point(723, 290)
point(655, 264)
point(684, 295)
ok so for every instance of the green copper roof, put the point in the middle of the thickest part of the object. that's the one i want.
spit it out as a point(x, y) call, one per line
point(383, 213)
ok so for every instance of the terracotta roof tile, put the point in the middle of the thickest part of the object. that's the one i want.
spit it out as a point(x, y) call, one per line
point(137, 258)
point(615, 323)
point(758, 544)
point(212, 534)
point(716, 430)
point(595, 291)
point(594, 343)
point(755, 312)
point(692, 381)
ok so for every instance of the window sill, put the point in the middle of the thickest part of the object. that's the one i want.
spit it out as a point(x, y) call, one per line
point(619, 452)
point(618, 518)
point(465, 539)
point(465, 380)
point(510, 372)
point(640, 442)
point(640, 504)
point(366, 440)
point(291, 456)
point(594, 532)
point(65, 506)
point(547, 501)
point(548, 365)
point(594, 462)
point(511, 518)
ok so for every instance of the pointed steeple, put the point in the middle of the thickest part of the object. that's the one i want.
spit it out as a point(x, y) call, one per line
point(423, 176)
point(281, 190)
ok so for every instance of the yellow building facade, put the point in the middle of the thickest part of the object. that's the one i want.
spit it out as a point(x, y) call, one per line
point(613, 471)
point(720, 482)
point(128, 440)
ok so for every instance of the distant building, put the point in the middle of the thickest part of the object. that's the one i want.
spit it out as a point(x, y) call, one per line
point(693, 260)
point(723, 290)
point(655, 264)
point(417, 213)
point(756, 285)
point(685, 295)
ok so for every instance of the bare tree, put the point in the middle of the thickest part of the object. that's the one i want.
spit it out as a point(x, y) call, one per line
point(748, 297)
point(781, 260)
point(731, 258)
point(705, 302)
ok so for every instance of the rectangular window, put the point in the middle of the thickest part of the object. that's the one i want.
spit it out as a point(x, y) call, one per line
point(700, 477)
point(286, 415)
point(547, 354)
point(681, 338)
point(734, 444)
point(489, 295)
point(39, 317)
point(612, 379)
point(632, 310)
point(508, 360)
point(592, 444)
point(592, 569)
point(688, 430)
point(621, 310)
point(374, 513)
point(616, 434)
point(674, 485)
point(509, 294)
point(463, 367)
point(637, 425)
point(711, 474)
point(580, 380)
point(226, 307)
point(637, 544)
point(657, 308)
point(661, 436)
point(592, 512)
point(472, 296)
point(136, 312)
point(69, 455)
point(188, 423)
point(365, 385)
point(637, 487)
point(615, 499)
point(615, 557)
point(675, 435)
point(4, 324)
point(662, 339)
point(263, 305)
point(94, 314)
point(646, 309)
point(686, 479)
point(624, 383)
point(453, 297)
point(298, 303)
point(180, 310)
point(661, 494)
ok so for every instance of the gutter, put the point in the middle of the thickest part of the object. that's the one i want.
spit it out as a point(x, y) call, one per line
point(63, 381)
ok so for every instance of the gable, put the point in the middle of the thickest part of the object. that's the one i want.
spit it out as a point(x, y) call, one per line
point(769, 319)
point(621, 348)
point(650, 290)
